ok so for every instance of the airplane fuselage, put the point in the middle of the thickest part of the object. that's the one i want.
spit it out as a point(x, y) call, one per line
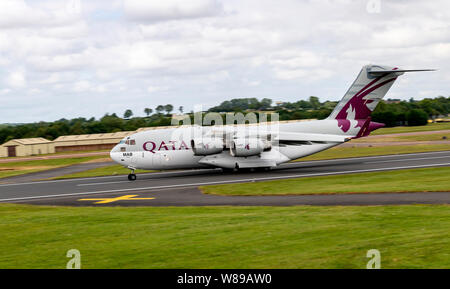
point(171, 148)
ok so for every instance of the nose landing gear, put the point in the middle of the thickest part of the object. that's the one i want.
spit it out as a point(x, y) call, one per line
point(132, 176)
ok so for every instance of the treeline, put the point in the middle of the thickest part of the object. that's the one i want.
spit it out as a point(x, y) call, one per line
point(108, 123)
point(390, 112)
point(302, 109)
point(242, 104)
point(411, 112)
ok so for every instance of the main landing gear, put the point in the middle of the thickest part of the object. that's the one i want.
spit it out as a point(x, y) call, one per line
point(132, 176)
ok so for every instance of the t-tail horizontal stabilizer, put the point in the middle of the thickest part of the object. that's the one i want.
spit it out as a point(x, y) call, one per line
point(376, 72)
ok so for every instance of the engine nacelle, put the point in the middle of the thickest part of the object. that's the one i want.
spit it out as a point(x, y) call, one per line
point(207, 146)
point(245, 147)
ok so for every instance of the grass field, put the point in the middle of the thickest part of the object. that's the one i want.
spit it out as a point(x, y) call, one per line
point(351, 152)
point(103, 171)
point(225, 237)
point(401, 129)
point(426, 137)
point(404, 138)
point(413, 180)
point(24, 167)
point(62, 153)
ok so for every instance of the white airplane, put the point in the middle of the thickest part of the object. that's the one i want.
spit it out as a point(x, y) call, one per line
point(264, 145)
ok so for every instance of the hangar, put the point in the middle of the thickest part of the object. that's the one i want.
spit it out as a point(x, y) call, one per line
point(84, 142)
point(26, 147)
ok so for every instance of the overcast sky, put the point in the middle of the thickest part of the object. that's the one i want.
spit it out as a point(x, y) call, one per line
point(66, 59)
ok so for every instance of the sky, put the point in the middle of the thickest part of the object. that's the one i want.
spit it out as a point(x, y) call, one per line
point(84, 58)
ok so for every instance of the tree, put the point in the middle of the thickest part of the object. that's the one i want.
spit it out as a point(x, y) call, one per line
point(148, 111)
point(314, 100)
point(168, 108)
point(388, 117)
point(417, 117)
point(265, 103)
point(159, 109)
point(181, 109)
point(128, 113)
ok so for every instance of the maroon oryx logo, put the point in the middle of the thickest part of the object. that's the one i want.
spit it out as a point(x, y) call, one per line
point(357, 105)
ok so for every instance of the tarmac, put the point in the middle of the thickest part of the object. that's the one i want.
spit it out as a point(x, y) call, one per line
point(180, 188)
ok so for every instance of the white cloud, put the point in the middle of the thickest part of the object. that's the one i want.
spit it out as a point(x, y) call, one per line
point(19, 14)
point(16, 13)
point(82, 86)
point(16, 79)
point(113, 55)
point(170, 9)
point(59, 62)
point(152, 89)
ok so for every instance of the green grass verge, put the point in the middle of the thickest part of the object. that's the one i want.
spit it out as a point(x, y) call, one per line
point(401, 129)
point(51, 162)
point(103, 171)
point(425, 137)
point(12, 173)
point(351, 152)
point(225, 237)
point(26, 167)
point(403, 138)
point(62, 153)
point(413, 180)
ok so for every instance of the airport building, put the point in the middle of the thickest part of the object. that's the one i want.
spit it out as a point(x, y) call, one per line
point(26, 147)
point(88, 142)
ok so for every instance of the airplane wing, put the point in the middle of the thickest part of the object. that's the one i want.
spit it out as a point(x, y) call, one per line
point(310, 137)
point(306, 138)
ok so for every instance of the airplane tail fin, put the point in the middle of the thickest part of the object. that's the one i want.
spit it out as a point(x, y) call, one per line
point(371, 85)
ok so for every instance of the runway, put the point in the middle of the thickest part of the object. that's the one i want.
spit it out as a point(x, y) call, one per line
point(179, 188)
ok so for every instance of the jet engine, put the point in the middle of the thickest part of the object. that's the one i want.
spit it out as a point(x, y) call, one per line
point(245, 147)
point(207, 146)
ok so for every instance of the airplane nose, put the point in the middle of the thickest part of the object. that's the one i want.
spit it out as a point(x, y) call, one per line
point(114, 155)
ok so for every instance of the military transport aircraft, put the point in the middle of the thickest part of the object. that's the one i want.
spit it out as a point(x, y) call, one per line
point(261, 145)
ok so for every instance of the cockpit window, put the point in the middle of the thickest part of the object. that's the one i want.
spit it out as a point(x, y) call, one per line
point(130, 142)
